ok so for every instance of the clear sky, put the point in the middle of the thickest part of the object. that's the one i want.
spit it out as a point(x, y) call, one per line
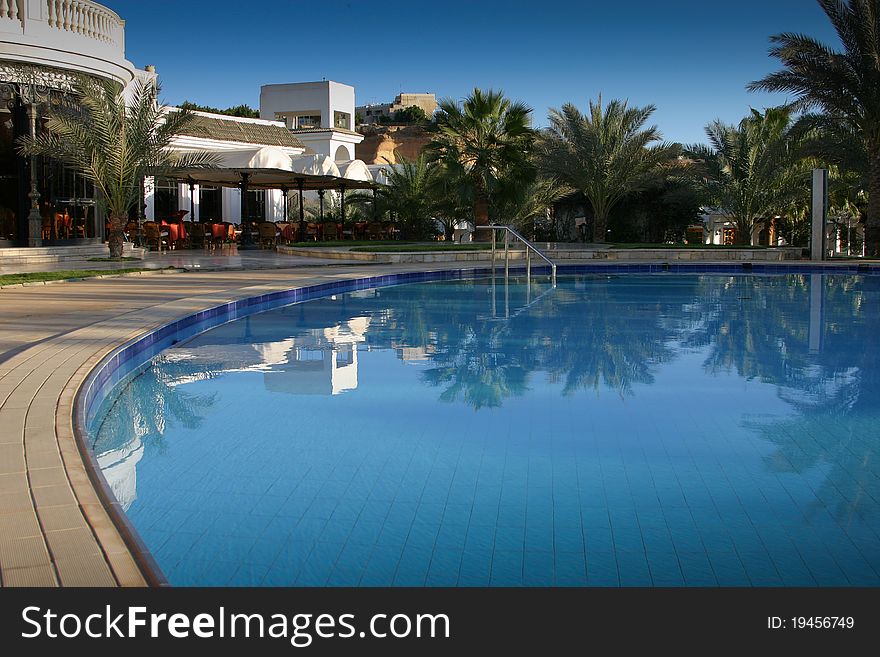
point(690, 58)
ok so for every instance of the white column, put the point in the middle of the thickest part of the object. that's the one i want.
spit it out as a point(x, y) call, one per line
point(197, 210)
point(820, 208)
point(231, 204)
point(183, 197)
point(150, 198)
point(274, 205)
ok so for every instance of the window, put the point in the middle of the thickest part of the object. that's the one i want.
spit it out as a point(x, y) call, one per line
point(209, 204)
point(256, 205)
point(166, 199)
point(342, 120)
point(306, 122)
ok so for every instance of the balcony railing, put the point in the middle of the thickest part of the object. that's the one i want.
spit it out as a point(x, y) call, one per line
point(77, 34)
point(83, 17)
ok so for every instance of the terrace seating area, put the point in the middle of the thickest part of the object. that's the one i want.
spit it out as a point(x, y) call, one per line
point(176, 234)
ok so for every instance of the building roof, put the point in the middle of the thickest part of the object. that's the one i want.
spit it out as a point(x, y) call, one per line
point(248, 132)
point(334, 129)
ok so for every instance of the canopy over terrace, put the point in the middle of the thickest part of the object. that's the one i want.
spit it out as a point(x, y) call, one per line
point(249, 177)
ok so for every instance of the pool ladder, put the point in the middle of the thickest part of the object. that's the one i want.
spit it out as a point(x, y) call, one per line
point(510, 231)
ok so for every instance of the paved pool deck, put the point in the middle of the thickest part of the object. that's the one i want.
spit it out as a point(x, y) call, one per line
point(54, 529)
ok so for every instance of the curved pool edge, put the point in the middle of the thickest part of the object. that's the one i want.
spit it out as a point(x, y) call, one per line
point(103, 376)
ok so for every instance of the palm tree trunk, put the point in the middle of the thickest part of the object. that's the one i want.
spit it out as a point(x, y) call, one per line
point(481, 217)
point(872, 221)
point(115, 238)
point(600, 226)
point(744, 232)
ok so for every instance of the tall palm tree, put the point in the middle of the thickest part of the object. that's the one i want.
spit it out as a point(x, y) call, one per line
point(606, 154)
point(482, 137)
point(751, 171)
point(845, 84)
point(114, 138)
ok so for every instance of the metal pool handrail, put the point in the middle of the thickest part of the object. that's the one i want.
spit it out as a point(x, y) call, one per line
point(508, 231)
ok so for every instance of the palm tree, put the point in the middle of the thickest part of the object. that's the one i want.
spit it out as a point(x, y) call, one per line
point(522, 204)
point(606, 154)
point(410, 193)
point(844, 84)
point(115, 138)
point(482, 138)
point(453, 194)
point(751, 171)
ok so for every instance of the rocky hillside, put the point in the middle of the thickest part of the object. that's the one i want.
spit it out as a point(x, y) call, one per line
point(381, 141)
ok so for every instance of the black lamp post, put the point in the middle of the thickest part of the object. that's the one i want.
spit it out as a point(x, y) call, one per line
point(321, 204)
point(342, 202)
point(284, 200)
point(302, 211)
point(246, 240)
point(192, 200)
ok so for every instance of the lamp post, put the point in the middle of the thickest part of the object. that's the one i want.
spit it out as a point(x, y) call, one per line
point(342, 202)
point(246, 241)
point(32, 92)
point(192, 200)
point(302, 211)
point(284, 200)
point(321, 204)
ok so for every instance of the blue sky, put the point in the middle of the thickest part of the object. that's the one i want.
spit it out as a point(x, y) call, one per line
point(690, 58)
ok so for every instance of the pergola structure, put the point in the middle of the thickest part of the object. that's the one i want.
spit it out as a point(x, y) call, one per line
point(246, 178)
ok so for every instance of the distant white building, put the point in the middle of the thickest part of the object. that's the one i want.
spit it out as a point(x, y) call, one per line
point(374, 113)
point(321, 115)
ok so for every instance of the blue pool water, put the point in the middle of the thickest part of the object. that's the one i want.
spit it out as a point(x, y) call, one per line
point(632, 430)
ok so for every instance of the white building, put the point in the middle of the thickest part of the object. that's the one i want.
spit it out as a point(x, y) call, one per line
point(321, 115)
point(239, 142)
point(44, 45)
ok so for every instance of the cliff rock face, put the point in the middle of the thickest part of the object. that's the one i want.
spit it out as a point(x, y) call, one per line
point(381, 141)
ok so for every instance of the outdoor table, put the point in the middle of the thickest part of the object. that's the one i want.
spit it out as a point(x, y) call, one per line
point(176, 231)
point(219, 232)
point(63, 224)
point(289, 233)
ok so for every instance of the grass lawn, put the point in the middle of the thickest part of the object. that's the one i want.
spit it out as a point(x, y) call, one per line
point(344, 243)
point(120, 259)
point(420, 247)
point(39, 276)
point(638, 245)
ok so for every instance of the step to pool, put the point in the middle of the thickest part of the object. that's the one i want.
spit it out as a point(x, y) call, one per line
point(53, 254)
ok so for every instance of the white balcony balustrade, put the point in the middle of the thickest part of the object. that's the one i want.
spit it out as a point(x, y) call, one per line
point(72, 34)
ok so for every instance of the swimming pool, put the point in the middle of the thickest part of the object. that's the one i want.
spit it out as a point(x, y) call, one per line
point(616, 430)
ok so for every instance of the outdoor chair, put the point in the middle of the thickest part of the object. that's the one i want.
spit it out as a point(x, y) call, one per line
point(374, 231)
point(268, 234)
point(311, 232)
point(330, 231)
point(154, 236)
point(197, 236)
